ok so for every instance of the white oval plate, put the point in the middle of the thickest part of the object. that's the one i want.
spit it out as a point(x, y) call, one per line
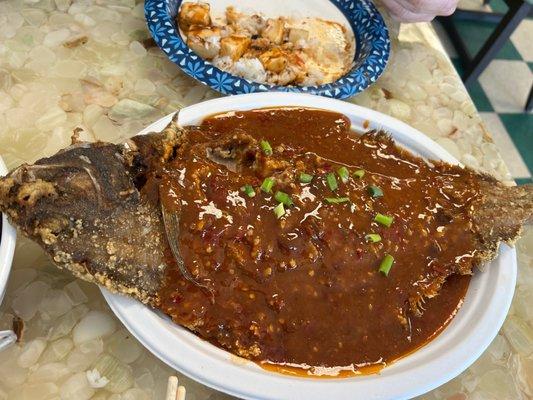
point(7, 244)
point(459, 345)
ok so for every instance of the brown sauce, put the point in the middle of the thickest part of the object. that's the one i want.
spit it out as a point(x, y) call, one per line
point(305, 288)
point(447, 303)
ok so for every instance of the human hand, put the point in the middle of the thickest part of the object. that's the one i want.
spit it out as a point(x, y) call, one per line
point(419, 10)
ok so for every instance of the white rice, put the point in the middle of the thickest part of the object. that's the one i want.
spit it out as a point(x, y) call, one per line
point(251, 69)
point(224, 63)
point(213, 43)
point(315, 76)
point(213, 40)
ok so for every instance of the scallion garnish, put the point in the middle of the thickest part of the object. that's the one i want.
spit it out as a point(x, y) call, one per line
point(337, 200)
point(248, 190)
point(267, 148)
point(305, 178)
point(284, 198)
point(359, 173)
point(279, 210)
point(344, 174)
point(373, 237)
point(386, 264)
point(374, 191)
point(383, 219)
point(267, 185)
point(332, 181)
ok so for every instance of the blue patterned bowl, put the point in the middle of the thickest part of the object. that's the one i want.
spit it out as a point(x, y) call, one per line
point(371, 55)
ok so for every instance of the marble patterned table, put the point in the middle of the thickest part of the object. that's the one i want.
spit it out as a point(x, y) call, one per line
point(91, 64)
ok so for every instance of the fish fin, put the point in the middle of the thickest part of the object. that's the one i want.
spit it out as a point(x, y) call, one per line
point(378, 136)
point(500, 214)
point(497, 216)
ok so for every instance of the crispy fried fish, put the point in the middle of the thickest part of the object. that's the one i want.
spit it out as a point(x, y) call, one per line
point(83, 206)
point(94, 208)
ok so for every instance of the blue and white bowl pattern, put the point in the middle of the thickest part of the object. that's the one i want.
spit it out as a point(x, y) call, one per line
point(372, 52)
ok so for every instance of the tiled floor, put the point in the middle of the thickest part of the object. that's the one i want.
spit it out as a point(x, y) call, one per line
point(502, 89)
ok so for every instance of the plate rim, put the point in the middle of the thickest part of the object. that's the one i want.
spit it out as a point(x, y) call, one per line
point(358, 13)
point(8, 238)
point(501, 277)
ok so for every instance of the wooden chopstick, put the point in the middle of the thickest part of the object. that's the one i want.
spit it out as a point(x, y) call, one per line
point(174, 391)
point(180, 395)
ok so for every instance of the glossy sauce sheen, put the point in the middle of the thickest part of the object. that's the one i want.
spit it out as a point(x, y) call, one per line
point(305, 289)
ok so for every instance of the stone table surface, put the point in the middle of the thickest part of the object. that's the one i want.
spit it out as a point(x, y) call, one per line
point(91, 64)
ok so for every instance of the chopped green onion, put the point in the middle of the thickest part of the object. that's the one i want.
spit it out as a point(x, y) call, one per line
point(248, 190)
point(374, 191)
point(386, 264)
point(267, 148)
point(344, 174)
point(332, 181)
point(337, 200)
point(359, 173)
point(284, 198)
point(305, 178)
point(267, 185)
point(279, 210)
point(373, 237)
point(383, 219)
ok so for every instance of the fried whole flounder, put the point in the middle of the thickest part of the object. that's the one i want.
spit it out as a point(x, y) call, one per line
point(83, 206)
point(276, 281)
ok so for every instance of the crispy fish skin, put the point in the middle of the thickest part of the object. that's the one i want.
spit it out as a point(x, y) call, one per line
point(500, 214)
point(84, 207)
